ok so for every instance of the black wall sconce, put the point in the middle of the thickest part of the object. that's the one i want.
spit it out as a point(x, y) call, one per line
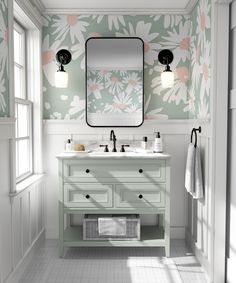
point(166, 57)
point(63, 57)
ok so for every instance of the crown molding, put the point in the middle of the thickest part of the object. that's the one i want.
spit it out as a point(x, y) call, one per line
point(223, 2)
point(123, 11)
point(190, 6)
point(28, 9)
point(39, 5)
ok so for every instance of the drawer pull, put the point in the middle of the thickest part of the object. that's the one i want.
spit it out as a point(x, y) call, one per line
point(140, 171)
point(87, 196)
point(87, 170)
point(140, 196)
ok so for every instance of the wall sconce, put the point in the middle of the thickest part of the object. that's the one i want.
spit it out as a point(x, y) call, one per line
point(63, 57)
point(165, 57)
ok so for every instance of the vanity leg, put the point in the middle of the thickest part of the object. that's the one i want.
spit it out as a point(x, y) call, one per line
point(61, 230)
point(167, 234)
point(167, 249)
point(167, 239)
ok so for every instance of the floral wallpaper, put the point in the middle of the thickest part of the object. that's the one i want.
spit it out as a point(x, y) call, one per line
point(114, 91)
point(4, 85)
point(200, 50)
point(183, 34)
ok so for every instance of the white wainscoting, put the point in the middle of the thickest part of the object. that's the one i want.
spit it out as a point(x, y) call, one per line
point(176, 135)
point(21, 215)
point(200, 219)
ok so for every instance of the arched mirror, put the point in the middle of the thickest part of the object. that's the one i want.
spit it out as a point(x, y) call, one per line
point(114, 82)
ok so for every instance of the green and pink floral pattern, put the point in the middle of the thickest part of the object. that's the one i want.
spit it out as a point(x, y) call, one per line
point(4, 79)
point(114, 91)
point(188, 36)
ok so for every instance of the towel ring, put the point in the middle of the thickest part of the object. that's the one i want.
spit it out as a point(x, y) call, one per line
point(194, 130)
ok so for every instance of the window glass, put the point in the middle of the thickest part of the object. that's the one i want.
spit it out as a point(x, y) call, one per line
point(18, 77)
point(23, 120)
point(17, 47)
point(23, 155)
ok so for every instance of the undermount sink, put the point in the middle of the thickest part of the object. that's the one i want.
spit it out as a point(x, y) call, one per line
point(102, 153)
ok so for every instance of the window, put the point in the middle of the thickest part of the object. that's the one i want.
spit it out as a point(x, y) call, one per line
point(23, 107)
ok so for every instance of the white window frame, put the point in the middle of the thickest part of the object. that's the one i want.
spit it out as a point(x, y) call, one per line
point(23, 66)
point(23, 100)
point(25, 14)
point(23, 176)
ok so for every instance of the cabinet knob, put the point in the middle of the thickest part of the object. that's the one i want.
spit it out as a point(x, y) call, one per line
point(87, 196)
point(140, 171)
point(87, 170)
point(140, 196)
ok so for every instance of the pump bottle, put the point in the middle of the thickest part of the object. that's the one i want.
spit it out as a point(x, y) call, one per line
point(158, 145)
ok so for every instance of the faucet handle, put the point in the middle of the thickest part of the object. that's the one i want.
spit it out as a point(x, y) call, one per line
point(106, 147)
point(123, 147)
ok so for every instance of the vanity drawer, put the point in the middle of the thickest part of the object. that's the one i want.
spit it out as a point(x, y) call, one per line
point(88, 195)
point(140, 195)
point(116, 170)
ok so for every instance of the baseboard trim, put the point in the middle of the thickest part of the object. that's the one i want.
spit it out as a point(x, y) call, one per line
point(23, 263)
point(198, 254)
point(231, 263)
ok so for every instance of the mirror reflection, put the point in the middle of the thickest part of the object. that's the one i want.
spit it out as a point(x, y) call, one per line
point(114, 82)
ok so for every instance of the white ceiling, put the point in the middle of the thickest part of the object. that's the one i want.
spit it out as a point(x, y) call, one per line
point(113, 5)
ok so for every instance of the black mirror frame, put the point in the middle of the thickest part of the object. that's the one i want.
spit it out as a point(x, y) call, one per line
point(86, 96)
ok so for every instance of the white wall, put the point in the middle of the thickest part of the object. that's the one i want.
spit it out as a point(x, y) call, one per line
point(176, 135)
point(231, 261)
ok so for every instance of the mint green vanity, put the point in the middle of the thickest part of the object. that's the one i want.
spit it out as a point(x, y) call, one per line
point(128, 183)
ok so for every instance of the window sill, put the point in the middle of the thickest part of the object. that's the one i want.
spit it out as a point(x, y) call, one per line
point(26, 183)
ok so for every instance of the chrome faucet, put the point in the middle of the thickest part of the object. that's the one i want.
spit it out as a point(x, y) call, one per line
point(113, 138)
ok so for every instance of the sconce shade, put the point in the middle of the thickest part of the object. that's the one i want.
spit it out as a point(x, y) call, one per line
point(167, 79)
point(166, 57)
point(61, 79)
point(63, 57)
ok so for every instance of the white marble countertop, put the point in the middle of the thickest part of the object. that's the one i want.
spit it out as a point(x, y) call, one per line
point(112, 155)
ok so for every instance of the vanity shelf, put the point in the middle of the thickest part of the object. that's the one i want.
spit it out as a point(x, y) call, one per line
point(105, 185)
point(151, 236)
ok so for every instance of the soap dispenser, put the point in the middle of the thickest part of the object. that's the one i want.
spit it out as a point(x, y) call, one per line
point(68, 145)
point(158, 145)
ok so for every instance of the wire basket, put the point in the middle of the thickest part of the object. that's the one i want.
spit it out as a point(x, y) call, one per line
point(91, 227)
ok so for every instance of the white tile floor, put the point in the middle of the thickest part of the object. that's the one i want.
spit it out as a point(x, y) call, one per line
point(113, 265)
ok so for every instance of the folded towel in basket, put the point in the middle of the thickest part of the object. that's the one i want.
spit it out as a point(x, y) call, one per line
point(112, 226)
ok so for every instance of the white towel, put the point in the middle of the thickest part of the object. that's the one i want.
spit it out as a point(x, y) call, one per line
point(189, 173)
point(193, 173)
point(112, 226)
point(198, 184)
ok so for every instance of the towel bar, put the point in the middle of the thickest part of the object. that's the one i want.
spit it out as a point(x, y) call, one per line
point(195, 130)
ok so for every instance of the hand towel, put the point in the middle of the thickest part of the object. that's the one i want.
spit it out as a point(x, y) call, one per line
point(112, 226)
point(190, 164)
point(198, 183)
